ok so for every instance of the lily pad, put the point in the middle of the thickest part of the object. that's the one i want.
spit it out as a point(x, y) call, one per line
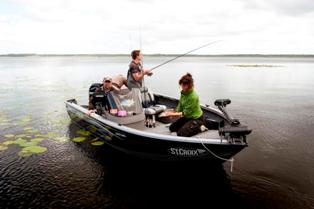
point(3, 147)
point(24, 153)
point(22, 142)
point(4, 119)
point(108, 138)
point(50, 134)
point(62, 139)
point(63, 122)
point(28, 144)
point(83, 132)
point(92, 128)
point(33, 131)
point(37, 139)
point(26, 119)
point(78, 139)
point(21, 136)
point(8, 142)
point(28, 128)
point(35, 149)
point(9, 136)
point(95, 139)
point(97, 143)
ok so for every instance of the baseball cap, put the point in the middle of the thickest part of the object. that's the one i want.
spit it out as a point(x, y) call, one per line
point(107, 78)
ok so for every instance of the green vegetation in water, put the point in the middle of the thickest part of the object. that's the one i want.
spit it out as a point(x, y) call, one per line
point(62, 122)
point(28, 128)
point(26, 119)
point(8, 142)
point(47, 135)
point(21, 136)
point(79, 139)
point(62, 139)
point(97, 143)
point(37, 140)
point(34, 149)
point(4, 120)
point(2, 148)
point(255, 65)
point(25, 143)
point(83, 132)
point(108, 138)
point(30, 138)
point(29, 147)
point(33, 131)
point(92, 128)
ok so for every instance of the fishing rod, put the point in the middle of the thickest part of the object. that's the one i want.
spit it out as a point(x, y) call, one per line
point(183, 55)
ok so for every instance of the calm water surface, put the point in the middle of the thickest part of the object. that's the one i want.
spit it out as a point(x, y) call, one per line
point(42, 167)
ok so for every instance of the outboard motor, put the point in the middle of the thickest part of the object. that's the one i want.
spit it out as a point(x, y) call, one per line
point(93, 88)
point(235, 130)
point(100, 101)
point(98, 98)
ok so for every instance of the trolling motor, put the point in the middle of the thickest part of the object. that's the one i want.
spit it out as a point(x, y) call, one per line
point(222, 104)
point(235, 129)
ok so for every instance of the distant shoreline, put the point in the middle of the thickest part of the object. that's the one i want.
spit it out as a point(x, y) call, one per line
point(160, 55)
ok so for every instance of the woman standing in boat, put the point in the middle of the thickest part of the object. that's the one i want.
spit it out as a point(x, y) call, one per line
point(189, 108)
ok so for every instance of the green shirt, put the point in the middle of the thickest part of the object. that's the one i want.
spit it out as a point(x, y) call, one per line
point(189, 105)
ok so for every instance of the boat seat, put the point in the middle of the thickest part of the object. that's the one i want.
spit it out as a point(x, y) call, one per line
point(222, 102)
point(149, 103)
point(154, 110)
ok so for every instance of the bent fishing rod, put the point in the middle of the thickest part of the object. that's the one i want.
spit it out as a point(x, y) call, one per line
point(182, 55)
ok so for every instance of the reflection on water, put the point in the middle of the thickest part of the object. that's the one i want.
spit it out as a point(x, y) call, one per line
point(64, 166)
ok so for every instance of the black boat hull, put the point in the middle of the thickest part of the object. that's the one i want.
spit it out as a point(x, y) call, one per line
point(153, 146)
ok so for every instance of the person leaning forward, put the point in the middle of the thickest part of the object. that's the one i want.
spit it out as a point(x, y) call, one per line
point(189, 108)
point(106, 87)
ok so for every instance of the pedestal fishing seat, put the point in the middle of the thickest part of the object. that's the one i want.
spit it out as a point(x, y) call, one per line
point(151, 109)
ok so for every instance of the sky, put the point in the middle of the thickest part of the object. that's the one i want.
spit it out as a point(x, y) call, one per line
point(156, 26)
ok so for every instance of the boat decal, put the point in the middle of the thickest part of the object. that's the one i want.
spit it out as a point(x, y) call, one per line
point(186, 152)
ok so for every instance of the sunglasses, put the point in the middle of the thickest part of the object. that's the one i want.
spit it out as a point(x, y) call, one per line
point(107, 81)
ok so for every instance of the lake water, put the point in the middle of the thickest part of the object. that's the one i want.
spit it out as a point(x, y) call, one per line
point(42, 167)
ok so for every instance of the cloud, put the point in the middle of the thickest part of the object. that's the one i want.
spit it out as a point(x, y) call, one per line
point(287, 7)
point(97, 26)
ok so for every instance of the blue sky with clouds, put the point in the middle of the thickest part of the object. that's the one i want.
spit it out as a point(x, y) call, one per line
point(173, 26)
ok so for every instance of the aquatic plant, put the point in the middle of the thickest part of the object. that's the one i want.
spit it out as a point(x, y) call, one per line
point(97, 143)
point(79, 139)
point(26, 119)
point(254, 65)
point(2, 148)
point(83, 132)
point(34, 149)
point(61, 139)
